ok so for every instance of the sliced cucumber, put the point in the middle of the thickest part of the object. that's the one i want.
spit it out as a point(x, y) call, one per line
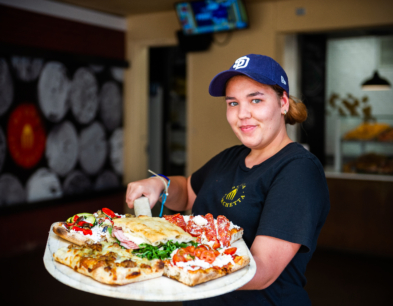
point(106, 223)
point(87, 217)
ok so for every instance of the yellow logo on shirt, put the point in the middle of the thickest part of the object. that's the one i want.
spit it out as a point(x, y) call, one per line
point(234, 197)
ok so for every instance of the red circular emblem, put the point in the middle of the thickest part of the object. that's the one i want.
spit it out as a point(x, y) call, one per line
point(26, 135)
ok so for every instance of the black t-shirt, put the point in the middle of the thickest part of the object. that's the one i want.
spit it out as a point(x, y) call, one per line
point(285, 197)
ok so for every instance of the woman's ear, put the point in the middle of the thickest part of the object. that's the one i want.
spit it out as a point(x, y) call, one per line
point(284, 101)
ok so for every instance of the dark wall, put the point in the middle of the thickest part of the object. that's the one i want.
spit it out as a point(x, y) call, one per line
point(28, 29)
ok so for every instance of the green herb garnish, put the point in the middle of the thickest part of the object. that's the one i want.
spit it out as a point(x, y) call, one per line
point(162, 251)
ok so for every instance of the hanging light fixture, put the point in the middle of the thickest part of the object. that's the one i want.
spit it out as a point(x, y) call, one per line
point(376, 83)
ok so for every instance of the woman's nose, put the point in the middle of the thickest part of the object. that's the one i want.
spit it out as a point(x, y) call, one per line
point(244, 111)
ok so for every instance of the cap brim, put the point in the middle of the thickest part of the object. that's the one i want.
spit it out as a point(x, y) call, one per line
point(218, 84)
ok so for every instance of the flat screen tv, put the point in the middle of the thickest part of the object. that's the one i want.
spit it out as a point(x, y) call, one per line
point(209, 16)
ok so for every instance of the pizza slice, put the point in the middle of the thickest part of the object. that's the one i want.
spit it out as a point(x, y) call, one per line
point(216, 233)
point(87, 228)
point(195, 265)
point(142, 230)
point(109, 263)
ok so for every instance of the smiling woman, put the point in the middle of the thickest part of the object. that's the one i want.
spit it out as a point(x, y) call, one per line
point(271, 186)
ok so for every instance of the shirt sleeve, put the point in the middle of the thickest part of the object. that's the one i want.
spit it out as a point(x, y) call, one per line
point(296, 203)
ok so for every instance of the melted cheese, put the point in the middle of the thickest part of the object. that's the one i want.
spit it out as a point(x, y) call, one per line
point(199, 220)
point(197, 263)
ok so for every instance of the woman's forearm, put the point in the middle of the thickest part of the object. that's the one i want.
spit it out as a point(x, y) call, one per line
point(178, 196)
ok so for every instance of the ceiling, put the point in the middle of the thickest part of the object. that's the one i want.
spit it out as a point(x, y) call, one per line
point(129, 7)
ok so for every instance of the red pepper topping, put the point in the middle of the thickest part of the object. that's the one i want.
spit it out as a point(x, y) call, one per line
point(85, 231)
point(108, 212)
point(81, 223)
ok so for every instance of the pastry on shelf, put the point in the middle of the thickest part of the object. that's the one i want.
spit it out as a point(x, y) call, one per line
point(370, 163)
point(366, 131)
point(386, 136)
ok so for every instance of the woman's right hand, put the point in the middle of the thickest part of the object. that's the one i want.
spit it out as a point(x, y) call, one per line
point(151, 188)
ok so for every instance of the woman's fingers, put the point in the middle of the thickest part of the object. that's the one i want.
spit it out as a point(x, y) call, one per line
point(148, 188)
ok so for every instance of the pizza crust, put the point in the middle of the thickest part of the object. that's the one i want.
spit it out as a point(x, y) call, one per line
point(73, 237)
point(193, 278)
point(111, 274)
point(237, 236)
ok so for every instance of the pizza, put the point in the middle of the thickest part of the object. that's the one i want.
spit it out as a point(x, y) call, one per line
point(189, 249)
point(216, 233)
point(109, 263)
point(87, 228)
point(195, 265)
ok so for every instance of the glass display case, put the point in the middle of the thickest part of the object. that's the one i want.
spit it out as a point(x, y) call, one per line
point(364, 146)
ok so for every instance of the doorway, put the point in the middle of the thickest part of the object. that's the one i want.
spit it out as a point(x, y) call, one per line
point(167, 124)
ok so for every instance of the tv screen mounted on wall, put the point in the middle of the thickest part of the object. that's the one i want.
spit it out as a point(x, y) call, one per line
point(209, 16)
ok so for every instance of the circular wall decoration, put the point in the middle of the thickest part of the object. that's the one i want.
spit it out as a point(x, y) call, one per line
point(27, 69)
point(11, 190)
point(3, 148)
point(111, 105)
point(76, 182)
point(26, 135)
point(96, 68)
point(118, 74)
point(116, 152)
point(6, 87)
point(43, 185)
point(84, 95)
point(53, 87)
point(62, 148)
point(106, 180)
point(93, 148)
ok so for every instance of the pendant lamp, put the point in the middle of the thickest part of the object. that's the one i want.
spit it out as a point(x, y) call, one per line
point(376, 83)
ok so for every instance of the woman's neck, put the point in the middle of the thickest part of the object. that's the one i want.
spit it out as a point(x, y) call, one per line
point(258, 156)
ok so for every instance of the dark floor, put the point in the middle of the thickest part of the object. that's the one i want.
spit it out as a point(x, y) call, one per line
point(334, 278)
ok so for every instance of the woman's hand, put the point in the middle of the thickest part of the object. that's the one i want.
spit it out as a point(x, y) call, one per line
point(151, 188)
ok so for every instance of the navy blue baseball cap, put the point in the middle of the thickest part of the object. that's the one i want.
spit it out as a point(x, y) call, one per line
point(260, 68)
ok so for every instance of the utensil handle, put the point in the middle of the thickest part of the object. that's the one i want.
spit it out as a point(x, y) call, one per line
point(142, 207)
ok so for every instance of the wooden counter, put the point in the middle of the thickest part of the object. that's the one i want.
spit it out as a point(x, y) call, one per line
point(361, 214)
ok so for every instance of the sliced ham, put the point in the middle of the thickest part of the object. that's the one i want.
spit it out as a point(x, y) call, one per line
point(124, 241)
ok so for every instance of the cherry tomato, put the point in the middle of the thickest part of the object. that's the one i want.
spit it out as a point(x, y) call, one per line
point(178, 258)
point(190, 250)
point(181, 252)
point(205, 246)
point(198, 252)
point(217, 253)
point(216, 245)
point(208, 256)
point(230, 251)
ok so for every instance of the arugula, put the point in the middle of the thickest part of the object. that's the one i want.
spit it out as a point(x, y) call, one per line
point(162, 251)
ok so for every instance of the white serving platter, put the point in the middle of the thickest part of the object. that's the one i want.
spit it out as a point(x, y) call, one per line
point(160, 289)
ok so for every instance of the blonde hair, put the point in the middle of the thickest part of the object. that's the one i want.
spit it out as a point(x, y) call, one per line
point(297, 112)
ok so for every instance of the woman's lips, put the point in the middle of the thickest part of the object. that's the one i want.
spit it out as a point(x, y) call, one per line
point(247, 128)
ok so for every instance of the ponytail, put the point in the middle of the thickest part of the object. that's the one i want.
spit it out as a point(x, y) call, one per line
point(297, 112)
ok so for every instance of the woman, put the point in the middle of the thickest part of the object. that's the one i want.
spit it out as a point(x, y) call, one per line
point(271, 186)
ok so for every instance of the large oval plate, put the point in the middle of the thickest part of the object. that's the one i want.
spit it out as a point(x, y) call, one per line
point(160, 289)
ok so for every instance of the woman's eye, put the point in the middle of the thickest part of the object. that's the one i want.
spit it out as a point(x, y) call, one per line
point(256, 100)
point(232, 103)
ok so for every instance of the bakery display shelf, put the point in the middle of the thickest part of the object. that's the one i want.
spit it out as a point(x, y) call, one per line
point(160, 289)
